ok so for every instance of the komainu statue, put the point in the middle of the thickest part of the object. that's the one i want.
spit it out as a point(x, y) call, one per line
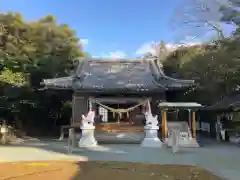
point(88, 121)
point(151, 121)
point(151, 131)
point(87, 126)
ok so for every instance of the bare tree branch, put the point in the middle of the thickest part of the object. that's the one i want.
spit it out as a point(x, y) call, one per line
point(199, 15)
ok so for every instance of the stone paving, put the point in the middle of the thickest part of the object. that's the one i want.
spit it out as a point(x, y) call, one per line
point(221, 159)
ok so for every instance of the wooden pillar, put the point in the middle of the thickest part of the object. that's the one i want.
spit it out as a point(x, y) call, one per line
point(61, 134)
point(218, 124)
point(90, 105)
point(193, 124)
point(73, 110)
point(190, 119)
point(118, 116)
point(80, 107)
point(164, 123)
point(71, 140)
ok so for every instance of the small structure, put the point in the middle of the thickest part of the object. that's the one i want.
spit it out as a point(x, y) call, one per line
point(226, 111)
point(187, 130)
point(229, 103)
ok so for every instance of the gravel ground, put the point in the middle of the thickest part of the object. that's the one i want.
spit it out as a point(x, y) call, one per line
point(221, 159)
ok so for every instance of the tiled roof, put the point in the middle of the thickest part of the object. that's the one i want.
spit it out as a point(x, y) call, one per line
point(228, 103)
point(119, 75)
point(63, 82)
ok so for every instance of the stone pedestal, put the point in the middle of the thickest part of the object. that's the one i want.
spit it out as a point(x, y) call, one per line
point(151, 137)
point(87, 139)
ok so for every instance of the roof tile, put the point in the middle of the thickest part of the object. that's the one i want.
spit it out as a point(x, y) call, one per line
point(118, 75)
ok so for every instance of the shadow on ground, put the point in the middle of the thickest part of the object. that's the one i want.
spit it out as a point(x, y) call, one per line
point(130, 171)
point(220, 158)
point(67, 170)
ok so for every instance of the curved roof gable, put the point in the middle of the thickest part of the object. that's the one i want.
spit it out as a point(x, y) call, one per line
point(118, 75)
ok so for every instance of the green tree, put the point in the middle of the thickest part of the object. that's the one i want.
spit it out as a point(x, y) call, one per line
point(36, 45)
point(29, 52)
point(215, 68)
